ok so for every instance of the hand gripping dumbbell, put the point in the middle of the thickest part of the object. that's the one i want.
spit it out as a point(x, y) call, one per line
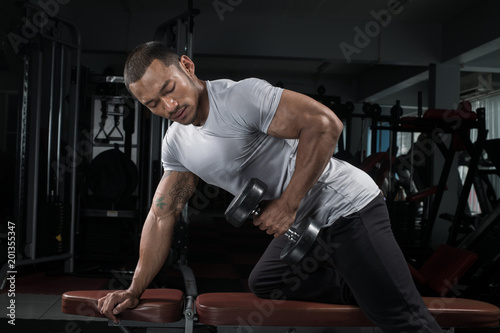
point(246, 204)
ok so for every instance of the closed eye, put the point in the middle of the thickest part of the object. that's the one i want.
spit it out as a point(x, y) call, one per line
point(170, 90)
point(163, 91)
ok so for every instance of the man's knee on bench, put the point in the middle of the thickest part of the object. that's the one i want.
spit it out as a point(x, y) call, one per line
point(322, 285)
point(262, 288)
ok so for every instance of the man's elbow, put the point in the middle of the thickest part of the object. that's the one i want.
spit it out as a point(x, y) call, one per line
point(338, 126)
point(331, 124)
point(336, 130)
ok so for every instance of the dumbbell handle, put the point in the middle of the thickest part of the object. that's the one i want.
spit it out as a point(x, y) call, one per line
point(290, 234)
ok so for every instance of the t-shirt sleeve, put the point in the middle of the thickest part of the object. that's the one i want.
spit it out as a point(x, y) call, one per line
point(253, 103)
point(168, 160)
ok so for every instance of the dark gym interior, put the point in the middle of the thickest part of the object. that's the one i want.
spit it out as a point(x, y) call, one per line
point(415, 82)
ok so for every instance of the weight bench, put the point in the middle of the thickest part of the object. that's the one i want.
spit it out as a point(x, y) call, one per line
point(157, 308)
point(169, 308)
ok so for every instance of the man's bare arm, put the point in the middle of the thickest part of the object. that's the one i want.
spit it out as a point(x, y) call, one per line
point(318, 130)
point(172, 193)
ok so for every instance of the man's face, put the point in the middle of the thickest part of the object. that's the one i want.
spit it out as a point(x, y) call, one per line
point(168, 92)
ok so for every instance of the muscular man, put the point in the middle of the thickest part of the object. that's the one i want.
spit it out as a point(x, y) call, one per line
point(227, 132)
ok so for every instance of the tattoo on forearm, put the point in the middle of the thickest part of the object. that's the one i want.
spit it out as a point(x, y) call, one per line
point(166, 174)
point(160, 203)
point(180, 193)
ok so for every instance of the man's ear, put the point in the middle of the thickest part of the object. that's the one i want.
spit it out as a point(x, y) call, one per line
point(187, 64)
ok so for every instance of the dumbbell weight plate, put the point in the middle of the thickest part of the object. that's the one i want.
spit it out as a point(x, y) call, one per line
point(376, 110)
point(247, 202)
point(294, 252)
point(349, 107)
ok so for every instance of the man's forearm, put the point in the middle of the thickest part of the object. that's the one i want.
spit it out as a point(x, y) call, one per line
point(172, 194)
point(155, 245)
point(155, 240)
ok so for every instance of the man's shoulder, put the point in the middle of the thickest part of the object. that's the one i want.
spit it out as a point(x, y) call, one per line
point(225, 85)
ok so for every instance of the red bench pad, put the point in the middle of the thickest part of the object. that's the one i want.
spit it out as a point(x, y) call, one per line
point(156, 306)
point(246, 309)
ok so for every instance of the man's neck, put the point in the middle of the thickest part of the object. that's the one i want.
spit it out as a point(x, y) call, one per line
point(203, 102)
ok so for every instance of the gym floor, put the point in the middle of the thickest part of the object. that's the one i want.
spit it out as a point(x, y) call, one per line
point(220, 255)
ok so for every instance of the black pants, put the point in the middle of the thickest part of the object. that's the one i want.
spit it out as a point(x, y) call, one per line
point(356, 254)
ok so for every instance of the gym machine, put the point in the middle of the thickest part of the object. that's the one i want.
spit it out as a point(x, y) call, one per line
point(110, 198)
point(437, 123)
point(468, 264)
point(48, 151)
point(487, 196)
point(484, 240)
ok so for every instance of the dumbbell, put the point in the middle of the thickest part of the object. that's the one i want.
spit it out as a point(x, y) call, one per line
point(246, 204)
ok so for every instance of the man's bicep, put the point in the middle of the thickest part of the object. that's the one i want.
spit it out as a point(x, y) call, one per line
point(173, 192)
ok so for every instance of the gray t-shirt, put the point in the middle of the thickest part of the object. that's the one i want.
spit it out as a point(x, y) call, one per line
point(232, 147)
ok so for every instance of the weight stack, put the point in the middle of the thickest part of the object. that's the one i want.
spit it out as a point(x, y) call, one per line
point(53, 229)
